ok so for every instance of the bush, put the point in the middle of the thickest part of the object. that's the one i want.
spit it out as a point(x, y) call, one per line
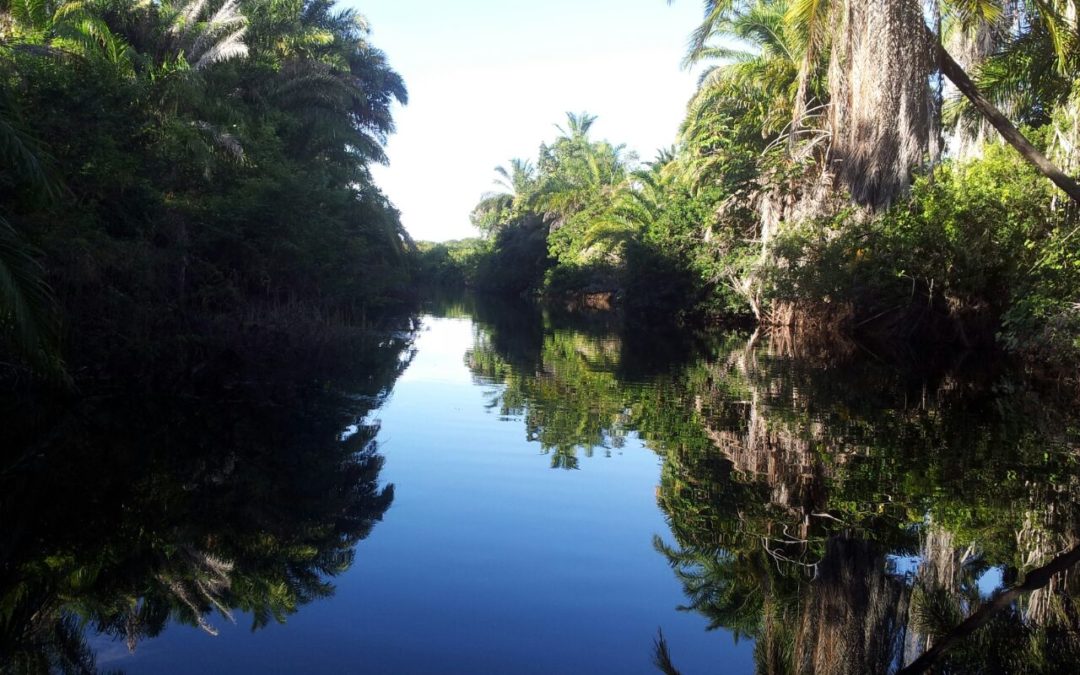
point(960, 252)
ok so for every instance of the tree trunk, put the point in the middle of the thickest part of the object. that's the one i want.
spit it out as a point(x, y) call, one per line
point(1035, 580)
point(1008, 131)
point(879, 84)
point(971, 48)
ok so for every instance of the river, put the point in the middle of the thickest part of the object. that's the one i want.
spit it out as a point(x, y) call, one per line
point(513, 489)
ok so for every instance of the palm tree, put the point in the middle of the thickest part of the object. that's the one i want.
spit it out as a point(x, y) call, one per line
point(636, 204)
point(496, 209)
point(195, 33)
point(575, 170)
point(65, 26)
point(341, 86)
point(578, 126)
point(520, 179)
point(763, 79)
point(28, 322)
point(881, 116)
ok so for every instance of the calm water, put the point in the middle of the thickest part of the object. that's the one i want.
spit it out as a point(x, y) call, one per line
point(509, 491)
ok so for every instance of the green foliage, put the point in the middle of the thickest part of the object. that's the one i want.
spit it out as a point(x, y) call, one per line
point(215, 183)
point(643, 237)
point(451, 264)
point(752, 210)
point(517, 258)
point(967, 247)
point(556, 212)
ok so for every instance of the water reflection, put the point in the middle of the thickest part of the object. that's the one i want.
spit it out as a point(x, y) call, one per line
point(579, 386)
point(845, 511)
point(861, 463)
point(123, 515)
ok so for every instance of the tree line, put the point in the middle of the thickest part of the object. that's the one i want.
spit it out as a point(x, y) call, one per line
point(901, 168)
point(190, 178)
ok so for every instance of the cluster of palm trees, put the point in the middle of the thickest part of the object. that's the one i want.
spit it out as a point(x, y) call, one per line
point(811, 115)
point(569, 188)
point(209, 98)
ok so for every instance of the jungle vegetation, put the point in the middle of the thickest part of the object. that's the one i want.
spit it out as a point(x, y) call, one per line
point(921, 184)
point(189, 180)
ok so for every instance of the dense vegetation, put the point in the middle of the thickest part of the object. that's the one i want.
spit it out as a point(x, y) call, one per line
point(824, 181)
point(186, 180)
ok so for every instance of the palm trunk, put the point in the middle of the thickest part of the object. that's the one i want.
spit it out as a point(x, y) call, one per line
point(1008, 131)
point(879, 85)
point(1035, 580)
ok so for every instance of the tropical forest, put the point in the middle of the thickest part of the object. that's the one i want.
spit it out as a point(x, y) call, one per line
point(766, 359)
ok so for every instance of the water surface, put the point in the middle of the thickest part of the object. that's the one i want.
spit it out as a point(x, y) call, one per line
point(511, 490)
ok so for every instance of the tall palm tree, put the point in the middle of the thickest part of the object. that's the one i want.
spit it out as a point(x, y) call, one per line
point(342, 87)
point(881, 116)
point(578, 126)
point(575, 170)
point(198, 33)
point(763, 79)
point(497, 209)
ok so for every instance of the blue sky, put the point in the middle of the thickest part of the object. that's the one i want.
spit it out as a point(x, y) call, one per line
point(489, 80)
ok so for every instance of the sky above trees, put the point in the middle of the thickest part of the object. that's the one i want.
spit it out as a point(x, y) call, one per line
point(488, 80)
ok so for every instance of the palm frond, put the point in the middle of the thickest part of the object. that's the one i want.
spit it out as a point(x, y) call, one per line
point(27, 309)
point(662, 655)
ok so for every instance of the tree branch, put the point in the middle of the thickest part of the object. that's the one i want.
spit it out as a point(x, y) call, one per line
point(955, 72)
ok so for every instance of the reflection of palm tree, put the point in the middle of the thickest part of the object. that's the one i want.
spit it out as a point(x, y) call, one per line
point(198, 586)
point(239, 507)
point(662, 656)
point(51, 644)
point(783, 522)
point(570, 398)
point(996, 636)
point(726, 587)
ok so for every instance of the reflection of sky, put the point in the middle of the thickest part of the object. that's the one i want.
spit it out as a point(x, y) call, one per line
point(441, 347)
point(488, 561)
point(905, 564)
point(989, 581)
point(488, 80)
